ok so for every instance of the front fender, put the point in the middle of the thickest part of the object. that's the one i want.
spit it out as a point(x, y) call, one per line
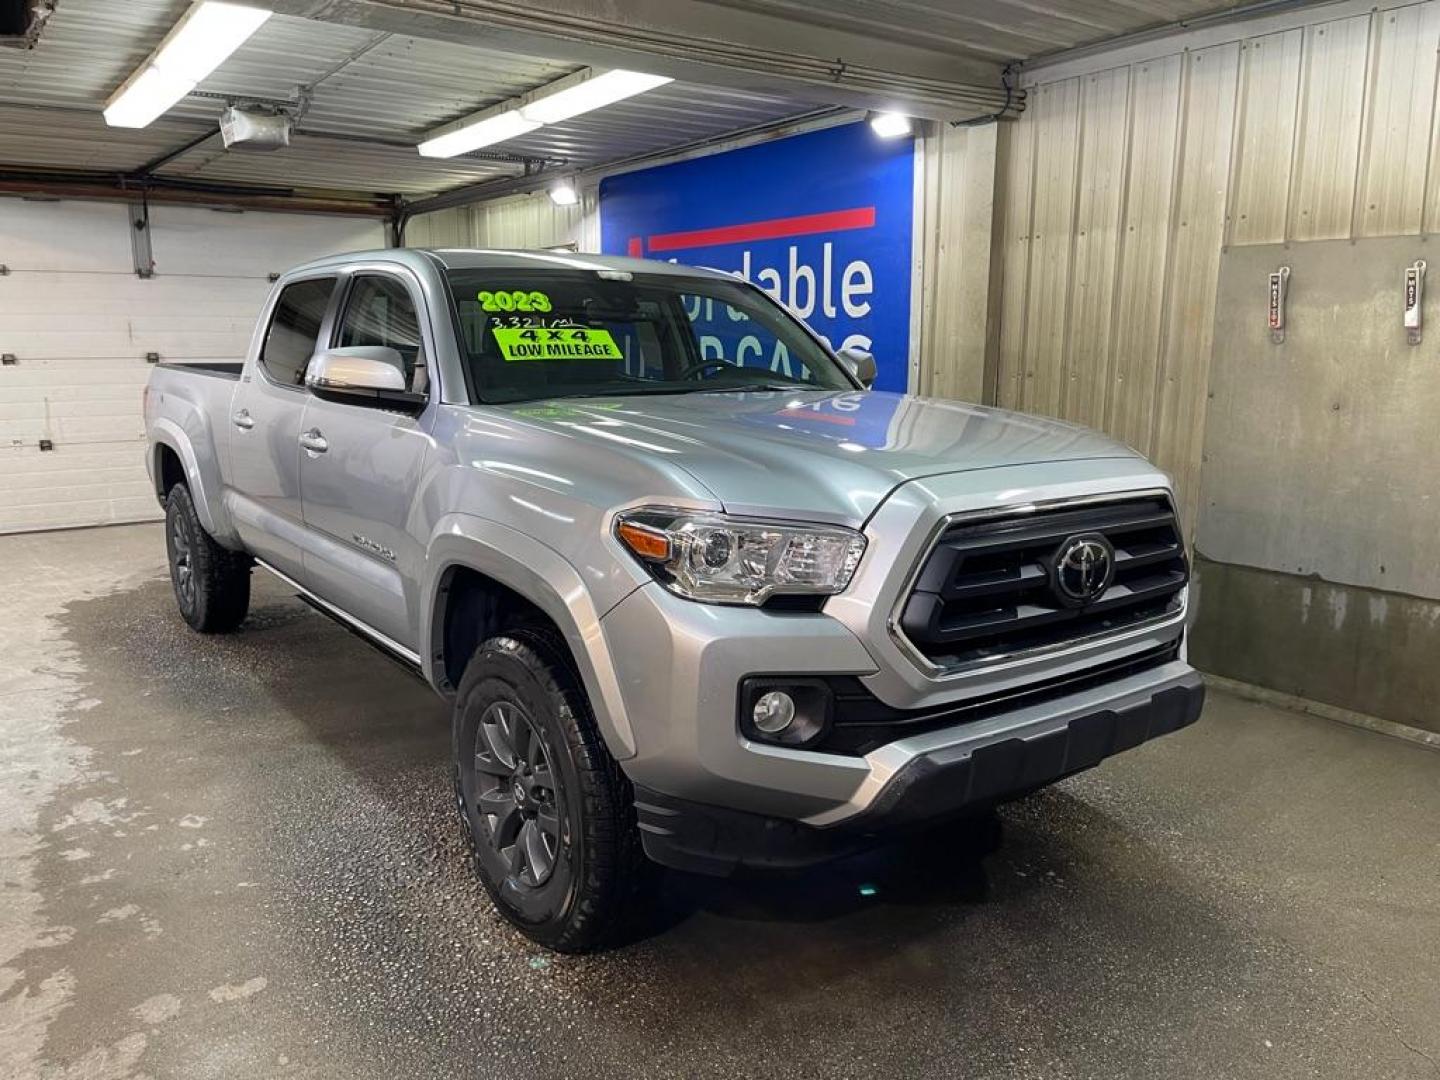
point(545, 578)
point(202, 476)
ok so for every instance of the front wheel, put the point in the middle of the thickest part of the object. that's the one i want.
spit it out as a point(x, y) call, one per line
point(547, 810)
point(212, 583)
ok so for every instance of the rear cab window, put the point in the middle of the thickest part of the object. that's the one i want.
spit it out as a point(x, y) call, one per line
point(294, 330)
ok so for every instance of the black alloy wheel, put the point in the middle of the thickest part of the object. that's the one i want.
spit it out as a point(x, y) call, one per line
point(517, 796)
point(181, 563)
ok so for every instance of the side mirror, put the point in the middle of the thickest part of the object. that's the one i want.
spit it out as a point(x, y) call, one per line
point(363, 374)
point(859, 363)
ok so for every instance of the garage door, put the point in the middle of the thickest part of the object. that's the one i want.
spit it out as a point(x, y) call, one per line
point(77, 323)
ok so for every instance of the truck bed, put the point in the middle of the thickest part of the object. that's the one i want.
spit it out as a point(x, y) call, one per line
point(219, 369)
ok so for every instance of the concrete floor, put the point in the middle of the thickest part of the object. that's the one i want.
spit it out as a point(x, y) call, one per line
point(236, 856)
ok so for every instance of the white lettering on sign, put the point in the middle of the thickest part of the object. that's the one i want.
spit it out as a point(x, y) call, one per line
point(802, 289)
point(858, 282)
point(798, 275)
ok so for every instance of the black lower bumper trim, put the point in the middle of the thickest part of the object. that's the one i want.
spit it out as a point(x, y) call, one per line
point(943, 784)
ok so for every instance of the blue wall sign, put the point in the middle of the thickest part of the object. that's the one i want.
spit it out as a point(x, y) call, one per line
point(821, 221)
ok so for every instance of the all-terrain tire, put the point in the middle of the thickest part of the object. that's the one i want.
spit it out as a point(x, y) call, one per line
point(212, 583)
point(589, 885)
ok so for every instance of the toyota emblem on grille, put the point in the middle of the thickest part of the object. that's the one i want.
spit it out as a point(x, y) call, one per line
point(1084, 567)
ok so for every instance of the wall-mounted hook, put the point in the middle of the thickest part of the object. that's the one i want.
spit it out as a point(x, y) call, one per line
point(1279, 285)
point(1414, 301)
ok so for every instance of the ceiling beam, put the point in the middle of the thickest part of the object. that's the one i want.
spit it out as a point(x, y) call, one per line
point(696, 42)
point(107, 186)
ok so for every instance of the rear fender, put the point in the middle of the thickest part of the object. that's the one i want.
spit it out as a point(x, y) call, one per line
point(202, 476)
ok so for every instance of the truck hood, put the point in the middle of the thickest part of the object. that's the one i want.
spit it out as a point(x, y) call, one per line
point(831, 455)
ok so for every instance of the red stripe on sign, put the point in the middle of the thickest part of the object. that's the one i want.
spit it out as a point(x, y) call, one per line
point(861, 217)
point(636, 248)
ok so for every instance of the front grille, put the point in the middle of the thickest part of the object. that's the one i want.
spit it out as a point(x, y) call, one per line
point(989, 587)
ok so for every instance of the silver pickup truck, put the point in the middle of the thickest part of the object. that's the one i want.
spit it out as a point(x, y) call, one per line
point(699, 597)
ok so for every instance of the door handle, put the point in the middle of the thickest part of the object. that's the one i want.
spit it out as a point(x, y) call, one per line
point(243, 420)
point(313, 441)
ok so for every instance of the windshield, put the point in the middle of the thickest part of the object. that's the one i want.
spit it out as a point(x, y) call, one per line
point(528, 334)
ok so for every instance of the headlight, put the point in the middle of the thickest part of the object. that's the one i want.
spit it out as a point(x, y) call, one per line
point(725, 560)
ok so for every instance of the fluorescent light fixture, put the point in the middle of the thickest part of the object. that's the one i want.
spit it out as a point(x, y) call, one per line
point(199, 43)
point(563, 193)
point(889, 125)
point(472, 136)
point(559, 101)
point(594, 93)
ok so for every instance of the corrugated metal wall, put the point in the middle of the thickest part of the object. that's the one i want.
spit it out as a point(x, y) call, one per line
point(1121, 185)
point(523, 221)
point(954, 230)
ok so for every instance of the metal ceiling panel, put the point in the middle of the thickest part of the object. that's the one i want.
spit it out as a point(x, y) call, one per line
point(86, 49)
point(70, 138)
point(996, 29)
point(385, 89)
point(337, 165)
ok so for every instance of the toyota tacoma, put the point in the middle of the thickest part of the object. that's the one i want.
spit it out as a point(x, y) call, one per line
point(698, 596)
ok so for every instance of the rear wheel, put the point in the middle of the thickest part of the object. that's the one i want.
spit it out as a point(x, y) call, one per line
point(212, 583)
point(546, 808)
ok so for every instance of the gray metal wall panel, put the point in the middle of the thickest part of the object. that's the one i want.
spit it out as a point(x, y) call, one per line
point(1327, 144)
point(1105, 119)
point(1057, 122)
point(1396, 150)
point(1194, 262)
point(521, 221)
point(1018, 141)
point(956, 232)
point(1269, 89)
point(1154, 140)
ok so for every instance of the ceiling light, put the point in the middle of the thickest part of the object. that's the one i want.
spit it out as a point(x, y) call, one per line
point(473, 136)
point(564, 194)
point(595, 92)
point(552, 104)
point(199, 43)
point(889, 125)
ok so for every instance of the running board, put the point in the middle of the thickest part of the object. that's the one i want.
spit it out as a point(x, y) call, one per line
point(407, 658)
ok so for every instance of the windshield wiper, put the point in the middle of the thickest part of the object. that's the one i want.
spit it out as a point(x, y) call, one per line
point(744, 388)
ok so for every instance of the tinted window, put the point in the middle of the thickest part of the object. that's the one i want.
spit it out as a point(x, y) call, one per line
point(294, 329)
point(379, 311)
point(531, 334)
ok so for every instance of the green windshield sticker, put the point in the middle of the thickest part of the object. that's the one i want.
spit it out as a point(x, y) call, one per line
point(555, 343)
point(513, 300)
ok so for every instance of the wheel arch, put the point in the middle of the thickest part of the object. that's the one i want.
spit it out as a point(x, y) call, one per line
point(478, 572)
point(170, 446)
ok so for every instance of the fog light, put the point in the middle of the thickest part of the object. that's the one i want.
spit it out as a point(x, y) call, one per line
point(774, 711)
point(785, 710)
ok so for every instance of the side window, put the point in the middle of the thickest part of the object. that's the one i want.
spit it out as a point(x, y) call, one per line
point(379, 311)
point(294, 329)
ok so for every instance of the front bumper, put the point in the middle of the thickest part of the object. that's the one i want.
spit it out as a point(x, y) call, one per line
point(963, 772)
point(679, 666)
